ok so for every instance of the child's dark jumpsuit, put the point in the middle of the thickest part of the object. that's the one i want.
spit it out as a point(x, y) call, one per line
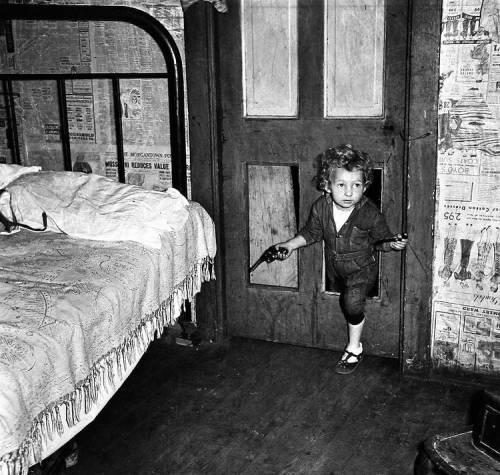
point(349, 251)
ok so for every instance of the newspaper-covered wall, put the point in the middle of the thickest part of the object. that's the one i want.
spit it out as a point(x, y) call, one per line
point(466, 273)
point(93, 47)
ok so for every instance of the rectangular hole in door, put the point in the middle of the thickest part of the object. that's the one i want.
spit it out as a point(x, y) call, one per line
point(374, 192)
point(273, 192)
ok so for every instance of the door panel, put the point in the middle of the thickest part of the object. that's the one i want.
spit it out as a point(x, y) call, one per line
point(272, 212)
point(307, 314)
point(269, 50)
point(354, 58)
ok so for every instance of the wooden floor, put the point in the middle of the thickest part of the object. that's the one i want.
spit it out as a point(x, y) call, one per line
point(255, 407)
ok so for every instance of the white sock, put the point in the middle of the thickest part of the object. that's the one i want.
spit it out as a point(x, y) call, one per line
point(357, 351)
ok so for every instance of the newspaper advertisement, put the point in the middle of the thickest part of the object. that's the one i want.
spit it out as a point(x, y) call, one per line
point(81, 118)
point(149, 167)
point(467, 336)
point(145, 117)
point(466, 271)
point(67, 41)
point(93, 158)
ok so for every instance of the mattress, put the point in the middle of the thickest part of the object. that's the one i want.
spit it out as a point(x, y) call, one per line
point(75, 317)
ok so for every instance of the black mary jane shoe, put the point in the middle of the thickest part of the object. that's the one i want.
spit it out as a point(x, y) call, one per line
point(344, 367)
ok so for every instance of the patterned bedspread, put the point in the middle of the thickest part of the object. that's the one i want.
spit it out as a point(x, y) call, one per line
point(75, 313)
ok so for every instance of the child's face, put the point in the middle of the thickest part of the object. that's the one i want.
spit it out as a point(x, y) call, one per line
point(347, 187)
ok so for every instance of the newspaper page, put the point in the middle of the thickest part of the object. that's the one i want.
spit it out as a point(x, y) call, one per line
point(148, 167)
point(145, 118)
point(466, 271)
point(81, 47)
point(5, 147)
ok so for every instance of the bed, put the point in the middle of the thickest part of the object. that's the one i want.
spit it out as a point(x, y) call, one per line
point(92, 268)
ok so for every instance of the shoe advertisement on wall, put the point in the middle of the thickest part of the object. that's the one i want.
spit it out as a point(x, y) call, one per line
point(466, 271)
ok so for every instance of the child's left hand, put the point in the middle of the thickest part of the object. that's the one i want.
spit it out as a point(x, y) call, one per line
point(400, 244)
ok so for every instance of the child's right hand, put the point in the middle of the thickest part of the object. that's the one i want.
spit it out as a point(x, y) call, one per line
point(290, 246)
point(284, 250)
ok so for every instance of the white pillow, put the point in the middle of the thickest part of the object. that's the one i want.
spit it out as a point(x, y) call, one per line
point(90, 206)
point(10, 172)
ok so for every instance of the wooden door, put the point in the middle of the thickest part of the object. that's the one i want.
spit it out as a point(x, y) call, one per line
point(296, 77)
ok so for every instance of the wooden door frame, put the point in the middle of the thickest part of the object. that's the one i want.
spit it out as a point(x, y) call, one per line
point(205, 153)
point(421, 145)
point(420, 161)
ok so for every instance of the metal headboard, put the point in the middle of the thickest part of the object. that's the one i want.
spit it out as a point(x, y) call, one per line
point(173, 74)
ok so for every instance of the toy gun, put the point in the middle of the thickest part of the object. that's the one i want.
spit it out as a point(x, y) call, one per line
point(269, 255)
point(397, 237)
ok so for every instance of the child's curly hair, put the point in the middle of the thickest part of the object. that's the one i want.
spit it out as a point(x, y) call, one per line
point(343, 156)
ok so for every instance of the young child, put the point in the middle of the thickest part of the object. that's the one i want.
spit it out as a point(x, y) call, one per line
point(352, 229)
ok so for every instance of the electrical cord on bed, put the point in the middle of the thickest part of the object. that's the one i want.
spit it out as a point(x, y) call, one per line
point(44, 221)
point(11, 225)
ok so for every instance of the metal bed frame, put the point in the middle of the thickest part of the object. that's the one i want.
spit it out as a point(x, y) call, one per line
point(173, 74)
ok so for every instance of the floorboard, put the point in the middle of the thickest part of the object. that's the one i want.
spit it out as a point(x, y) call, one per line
point(254, 407)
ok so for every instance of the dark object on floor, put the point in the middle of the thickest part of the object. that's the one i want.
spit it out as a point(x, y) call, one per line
point(190, 335)
point(475, 451)
point(58, 462)
point(486, 430)
point(452, 454)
